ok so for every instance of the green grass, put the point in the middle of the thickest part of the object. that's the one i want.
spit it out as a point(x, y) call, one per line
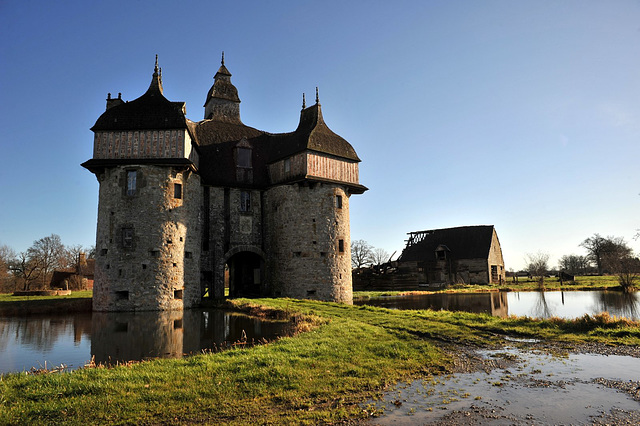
point(344, 356)
point(77, 301)
point(8, 297)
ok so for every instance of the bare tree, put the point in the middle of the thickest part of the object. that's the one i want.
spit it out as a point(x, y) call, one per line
point(49, 254)
point(575, 264)
point(379, 256)
point(538, 265)
point(603, 251)
point(26, 268)
point(627, 269)
point(361, 254)
point(7, 255)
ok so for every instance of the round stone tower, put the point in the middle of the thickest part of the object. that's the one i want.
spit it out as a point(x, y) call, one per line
point(148, 236)
point(307, 211)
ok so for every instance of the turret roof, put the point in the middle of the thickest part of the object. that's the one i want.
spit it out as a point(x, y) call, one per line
point(150, 111)
point(312, 134)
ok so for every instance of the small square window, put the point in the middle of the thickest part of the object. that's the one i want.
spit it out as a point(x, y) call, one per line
point(177, 191)
point(122, 295)
point(177, 294)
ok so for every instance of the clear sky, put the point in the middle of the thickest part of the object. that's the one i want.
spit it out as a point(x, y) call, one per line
point(520, 114)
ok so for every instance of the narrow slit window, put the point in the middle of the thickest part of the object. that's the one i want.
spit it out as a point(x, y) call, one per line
point(338, 201)
point(245, 201)
point(341, 246)
point(127, 237)
point(132, 176)
point(177, 191)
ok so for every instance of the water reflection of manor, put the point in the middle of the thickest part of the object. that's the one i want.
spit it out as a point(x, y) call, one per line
point(123, 336)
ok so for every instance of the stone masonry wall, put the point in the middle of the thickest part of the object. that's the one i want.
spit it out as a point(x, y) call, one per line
point(307, 236)
point(147, 242)
point(234, 226)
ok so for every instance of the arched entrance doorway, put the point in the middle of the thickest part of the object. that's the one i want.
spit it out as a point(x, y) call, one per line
point(244, 275)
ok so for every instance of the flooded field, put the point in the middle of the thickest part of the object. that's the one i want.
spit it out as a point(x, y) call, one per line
point(523, 387)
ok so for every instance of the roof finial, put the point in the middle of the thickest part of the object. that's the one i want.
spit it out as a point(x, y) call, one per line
point(317, 97)
point(304, 102)
point(155, 69)
point(223, 57)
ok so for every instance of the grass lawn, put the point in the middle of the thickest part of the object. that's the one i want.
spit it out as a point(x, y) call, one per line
point(8, 297)
point(343, 356)
point(24, 305)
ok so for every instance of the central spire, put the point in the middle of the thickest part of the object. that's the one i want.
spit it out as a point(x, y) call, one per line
point(222, 101)
point(156, 79)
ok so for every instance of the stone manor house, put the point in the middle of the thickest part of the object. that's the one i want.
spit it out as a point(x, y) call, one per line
point(185, 207)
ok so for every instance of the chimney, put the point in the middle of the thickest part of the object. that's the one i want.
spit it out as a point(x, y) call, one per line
point(114, 102)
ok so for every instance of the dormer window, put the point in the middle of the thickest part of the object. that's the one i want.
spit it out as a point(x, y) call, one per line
point(244, 157)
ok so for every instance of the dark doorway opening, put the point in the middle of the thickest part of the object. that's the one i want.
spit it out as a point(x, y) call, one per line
point(245, 275)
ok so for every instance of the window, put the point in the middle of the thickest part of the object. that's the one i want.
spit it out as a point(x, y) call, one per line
point(341, 246)
point(177, 190)
point(177, 294)
point(287, 165)
point(131, 182)
point(245, 201)
point(122, 295)
point(244, 157)
point(127, 237)
point(338, 201)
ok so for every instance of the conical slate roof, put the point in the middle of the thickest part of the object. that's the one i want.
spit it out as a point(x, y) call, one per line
point(312, 134)
point(150, 111)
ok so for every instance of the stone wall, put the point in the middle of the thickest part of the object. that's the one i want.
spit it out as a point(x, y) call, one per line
point(307, 238)
point(234, 224)
point(495, 258)
point(148, 240)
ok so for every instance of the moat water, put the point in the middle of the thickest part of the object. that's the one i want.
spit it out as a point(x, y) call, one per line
point(563, 304)
point(74, 340)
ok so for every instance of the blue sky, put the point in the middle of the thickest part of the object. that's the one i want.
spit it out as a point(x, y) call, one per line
point(524, 115)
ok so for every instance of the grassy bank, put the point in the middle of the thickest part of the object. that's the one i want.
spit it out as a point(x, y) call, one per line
point(343, 356)
point(78, 301)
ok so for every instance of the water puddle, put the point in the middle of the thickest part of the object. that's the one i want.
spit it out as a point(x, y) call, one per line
point(528, 388)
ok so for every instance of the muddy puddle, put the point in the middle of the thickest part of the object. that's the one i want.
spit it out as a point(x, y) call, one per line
point(525, 387)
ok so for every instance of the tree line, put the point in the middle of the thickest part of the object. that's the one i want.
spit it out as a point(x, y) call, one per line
point(364, 254)
point(33, 268)
point(605, 256)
